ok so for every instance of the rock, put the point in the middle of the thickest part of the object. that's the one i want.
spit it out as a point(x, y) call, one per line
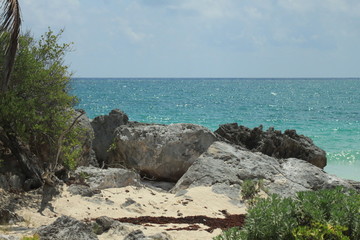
point(274, 143)
point(135, 235)
point(9, 217)
point(16, 183)
point(225, 167)
point(82, 190)
point(18, 164)
point(98, 178)
point(139, 235)
point(104, 127)
point(66, 228)
point(103, 224)
point(8, 237)
point(4, 184)
point(86, 137)
point(162, 152)
point(355, 184)
point(159, 185)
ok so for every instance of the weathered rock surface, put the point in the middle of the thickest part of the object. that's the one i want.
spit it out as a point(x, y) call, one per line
point(82, 190)
point(66, 228)
point(20, 168)
point(225, 167)
point(139, 235)
point(274, 143)
point(86, 137)
point(104, 127)
point(9, 217)
point(160, 151)
point(98, 178)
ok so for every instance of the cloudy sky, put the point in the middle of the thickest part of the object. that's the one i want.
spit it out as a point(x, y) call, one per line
point(204, 38)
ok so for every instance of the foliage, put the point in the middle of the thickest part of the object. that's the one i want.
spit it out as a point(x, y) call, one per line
point(230, 234)
point(320, 231)
point(331, 214)
point(249, 189)
point(36, 106)
point(34, 237)
point(336, 207)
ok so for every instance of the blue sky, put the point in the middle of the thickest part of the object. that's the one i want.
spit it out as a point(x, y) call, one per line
point(204, 38)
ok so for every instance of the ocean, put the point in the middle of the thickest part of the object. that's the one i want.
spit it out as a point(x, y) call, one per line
point(326, 110)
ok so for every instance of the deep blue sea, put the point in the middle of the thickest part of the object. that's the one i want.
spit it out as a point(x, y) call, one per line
point(326, 110)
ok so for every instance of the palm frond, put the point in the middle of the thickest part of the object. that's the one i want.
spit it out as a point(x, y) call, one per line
point(10, 23)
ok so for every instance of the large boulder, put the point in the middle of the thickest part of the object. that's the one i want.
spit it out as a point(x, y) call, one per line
point(85, 137)
point(98, 178)
point(104, 127)
point(274, 143)
point(66, 228)
point(162, 152)
point(225, 167)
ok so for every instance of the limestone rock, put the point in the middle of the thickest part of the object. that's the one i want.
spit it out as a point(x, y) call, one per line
point(66, 228)
point(160, 151)
point(104, 127)
point(86, 138)
point(274, 143)
point(98, 178)
point(139, 235)
point(225, 167)
point(82, 190)
point(9, 217)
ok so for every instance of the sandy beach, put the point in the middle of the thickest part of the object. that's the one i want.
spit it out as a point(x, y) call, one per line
point(134, 202)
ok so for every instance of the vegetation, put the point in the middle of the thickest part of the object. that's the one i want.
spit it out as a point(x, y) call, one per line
point(324, 214)
point(34, 237)
point(10, 24)
point(250, 190)
point(36, 106)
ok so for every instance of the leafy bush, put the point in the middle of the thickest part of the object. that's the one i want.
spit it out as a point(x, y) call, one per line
point(34, 237)
point(230, 234)
point(320, 231)
point(336, 207)
point(333, 214)
point(36, 107)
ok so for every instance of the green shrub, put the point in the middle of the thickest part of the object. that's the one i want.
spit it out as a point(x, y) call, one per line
point(249, 189)
point(318, 231)
point(336, 207)
point(34, 237)
point(271, 218)
point(36, 107)
point(231, 234)
point(324, 214)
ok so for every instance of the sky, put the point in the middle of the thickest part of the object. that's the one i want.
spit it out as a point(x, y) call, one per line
point(203, 38)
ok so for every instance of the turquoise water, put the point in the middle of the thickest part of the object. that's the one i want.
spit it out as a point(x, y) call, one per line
point(327, 110)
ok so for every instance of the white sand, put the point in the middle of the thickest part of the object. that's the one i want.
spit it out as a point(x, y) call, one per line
point(148, 202)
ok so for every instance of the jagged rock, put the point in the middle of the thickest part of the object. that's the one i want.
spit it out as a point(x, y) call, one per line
point(19, 164)
point(139, 235)
point(82, 190)
point(104, 127)
point(160, 151)
point(66, 228)
point(86, 137)
point(135, 235)
point(274, 143)
point(8, 237)
point(9, 217)
point(225, 167)
point(103, 224)
point(355, 184)
point(98, 178)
